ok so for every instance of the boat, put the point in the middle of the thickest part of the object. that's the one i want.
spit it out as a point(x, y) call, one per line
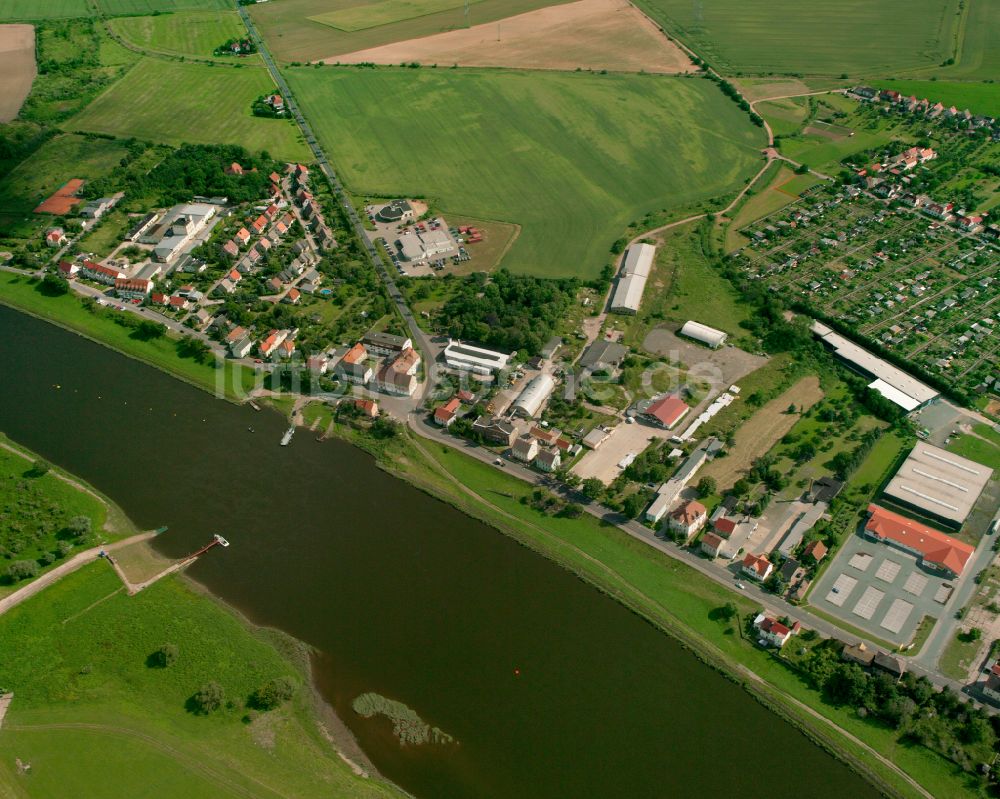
point(222, 541)
point(250, 429)
point(286, 439)
point(159, 530)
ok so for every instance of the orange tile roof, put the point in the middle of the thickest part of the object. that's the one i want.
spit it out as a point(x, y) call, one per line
point(934, 546)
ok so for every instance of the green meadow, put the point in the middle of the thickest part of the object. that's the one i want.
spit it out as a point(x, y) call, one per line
point(42, 9)
point(858, 37)
point(91, 712)
point(138, 7)
point(176, 103)
point(189, 33)
point(571, 158)
point(293, 32)
point(979, 98)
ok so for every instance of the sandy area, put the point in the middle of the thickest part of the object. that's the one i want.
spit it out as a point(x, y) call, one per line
point(17, 67)
point(592, 34)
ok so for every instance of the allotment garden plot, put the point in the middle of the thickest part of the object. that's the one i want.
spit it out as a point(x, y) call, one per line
point(925, 290)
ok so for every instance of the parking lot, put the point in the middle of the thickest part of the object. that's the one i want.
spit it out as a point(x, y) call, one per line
point(385, 234)
point(880, 589)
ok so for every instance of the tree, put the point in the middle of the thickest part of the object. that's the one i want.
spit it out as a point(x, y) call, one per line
point(208, 698)
point(79, 526)
point(272, 694)
point(40, 468)
point(54, 285)
point(973, 634)
point(848, 684)
point(147, 330)
point(707, 486)
point(741, 487)
point(191, 347)
point(22, 570)
point(727, 612)
point(593, 489)
point(163, 657)
point(632, 505)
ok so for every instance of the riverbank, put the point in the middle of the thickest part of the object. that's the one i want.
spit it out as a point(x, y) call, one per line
point(675, 599)
point(68, 311)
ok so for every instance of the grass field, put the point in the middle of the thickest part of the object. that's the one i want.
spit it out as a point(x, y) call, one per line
point(139, 7)
point(88, 710)
point(783, 188)
point(823, 153)
point(189, 33)
point(978, 55)
point(42, 9)
point(981, 446)
point(957, 657)
point(979, 98)
point(572, 158)
point(292, 36)
point(207, 105)
point(839, 36)
point(785, 116)
point(69, 312)
point(362, 14)
point(59, 159)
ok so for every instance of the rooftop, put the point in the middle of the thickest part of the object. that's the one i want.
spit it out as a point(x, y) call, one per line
point(936, 548)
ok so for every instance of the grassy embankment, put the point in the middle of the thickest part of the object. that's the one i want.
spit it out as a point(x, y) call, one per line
point(90, 711)
point(212, 107)
point(677, 599)
point(574, 140)
point(39, 509)
point(788, 36)
point(68, 311)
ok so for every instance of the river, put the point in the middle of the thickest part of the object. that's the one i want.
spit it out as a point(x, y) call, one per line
point(551, 688)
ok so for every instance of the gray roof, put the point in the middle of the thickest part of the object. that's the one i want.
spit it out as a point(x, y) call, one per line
point(603, 354)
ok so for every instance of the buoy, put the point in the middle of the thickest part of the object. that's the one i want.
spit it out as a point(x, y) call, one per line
point(517, 672)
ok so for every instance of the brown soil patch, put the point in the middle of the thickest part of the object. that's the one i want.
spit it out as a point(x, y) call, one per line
point(591, 34)
point(17, 67)
point(763, 430)
point(832, 132)
point(62, 202)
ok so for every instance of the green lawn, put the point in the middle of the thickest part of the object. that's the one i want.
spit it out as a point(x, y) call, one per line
point(857, 37)
point(824, 154)
point(673, 595)
point(974, 447)
point(572, 158)
point(42, 9)
point(957, 658)
point(100, 326)
point(784, 116)
point(177, 103)
point(979, 98)
point(89, 712)
point(190, 33)
point(292, 33)
point(63, 157)
point(362, 14)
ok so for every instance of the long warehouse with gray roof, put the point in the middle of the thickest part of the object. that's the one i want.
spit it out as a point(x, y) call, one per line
point(635, 271)
point(938, 484)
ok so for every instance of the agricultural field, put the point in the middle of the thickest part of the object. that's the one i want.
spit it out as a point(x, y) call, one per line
point(141, 7)
point(102, 705)
point(978, 52)
point(17, 49)
point(571, 158)
point(358, 16)
point(785, 115)
point(214, 108)
point(188, 33)
point(589, 34)
point(789, 36)
point(979, 98)
point(15, 10)
point(921, 289)
point(292, 35)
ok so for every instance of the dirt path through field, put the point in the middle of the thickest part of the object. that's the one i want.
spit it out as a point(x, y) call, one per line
point(592, 34)
point(17, 67)
point(763, 430)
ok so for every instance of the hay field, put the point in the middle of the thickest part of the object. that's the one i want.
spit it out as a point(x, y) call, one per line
point(42, 9)
point(571, 157)
point(762, 431)
point(857, 37)
point(594, 34)
point(203, 105)
point(17, 67)
point(189, 33)
point(362, 14)
point(292, 36)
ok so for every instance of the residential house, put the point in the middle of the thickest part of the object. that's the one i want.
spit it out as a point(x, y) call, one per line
point(496, 431)
point(385, 343)
point(548, 460)
point(353, 367)
point(394, 379)
point(525, 448)
point(368, 407)
point(286, 349)
point(712, 544)
point(292, 296)
point(231, 248)
point(68, 269)
point(133, 288)
point(234, 169)
point(270, 343)
point(318, 364)
point(242, 237)
point(445, 414)
point(688, 518)
point(774, 632)
point(815, 551)
point(259, 224)
point(55, 237)
point(991, 688)
point(757, 566)
point(101, 273)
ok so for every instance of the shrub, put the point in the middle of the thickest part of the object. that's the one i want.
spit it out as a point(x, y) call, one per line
point(272, 694)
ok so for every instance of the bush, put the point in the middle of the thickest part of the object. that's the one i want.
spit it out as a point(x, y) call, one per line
point(272, 694)
point(163, 657)
point(22, 570)
point(207, 699)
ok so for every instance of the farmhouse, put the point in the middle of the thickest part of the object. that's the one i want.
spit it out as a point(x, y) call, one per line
point(935, 549)
point(891, 382)
point(632, 279)
point(703, 333)
point(530, 401)
point(474, 359)
point(938, 484)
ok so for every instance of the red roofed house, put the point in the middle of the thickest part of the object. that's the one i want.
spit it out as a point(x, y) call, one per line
point(724, 526)
point(68, 269)
point(231, 248)
point(234, 169)
point(292, 297)
point(757, 566)
point(667, 411)
point(159, 298)
point(816, 550)
point(133, 288)
point(688, 518)
point(101, 273)
point(445, 414)
point(179, 303)
point(367, 407)
point(270, 211)
point(242, 237)
point(276, 102)
point(259, 224)
point(773, 631)
point(286, 349)
point(236, 334)
point(275, 178)
point(55, 237)
point(353, 367)
point(712, 544)
point(271, 341)
point(935, 549)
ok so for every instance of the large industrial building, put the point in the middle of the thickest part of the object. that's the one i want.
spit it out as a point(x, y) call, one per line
point(938, 484)
point(935, 549)
point(177, 229)
point(530, 401)
point(703, 333)
point(422, 246)
point(891, 382)
point(478, 360)
point(635, 271)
